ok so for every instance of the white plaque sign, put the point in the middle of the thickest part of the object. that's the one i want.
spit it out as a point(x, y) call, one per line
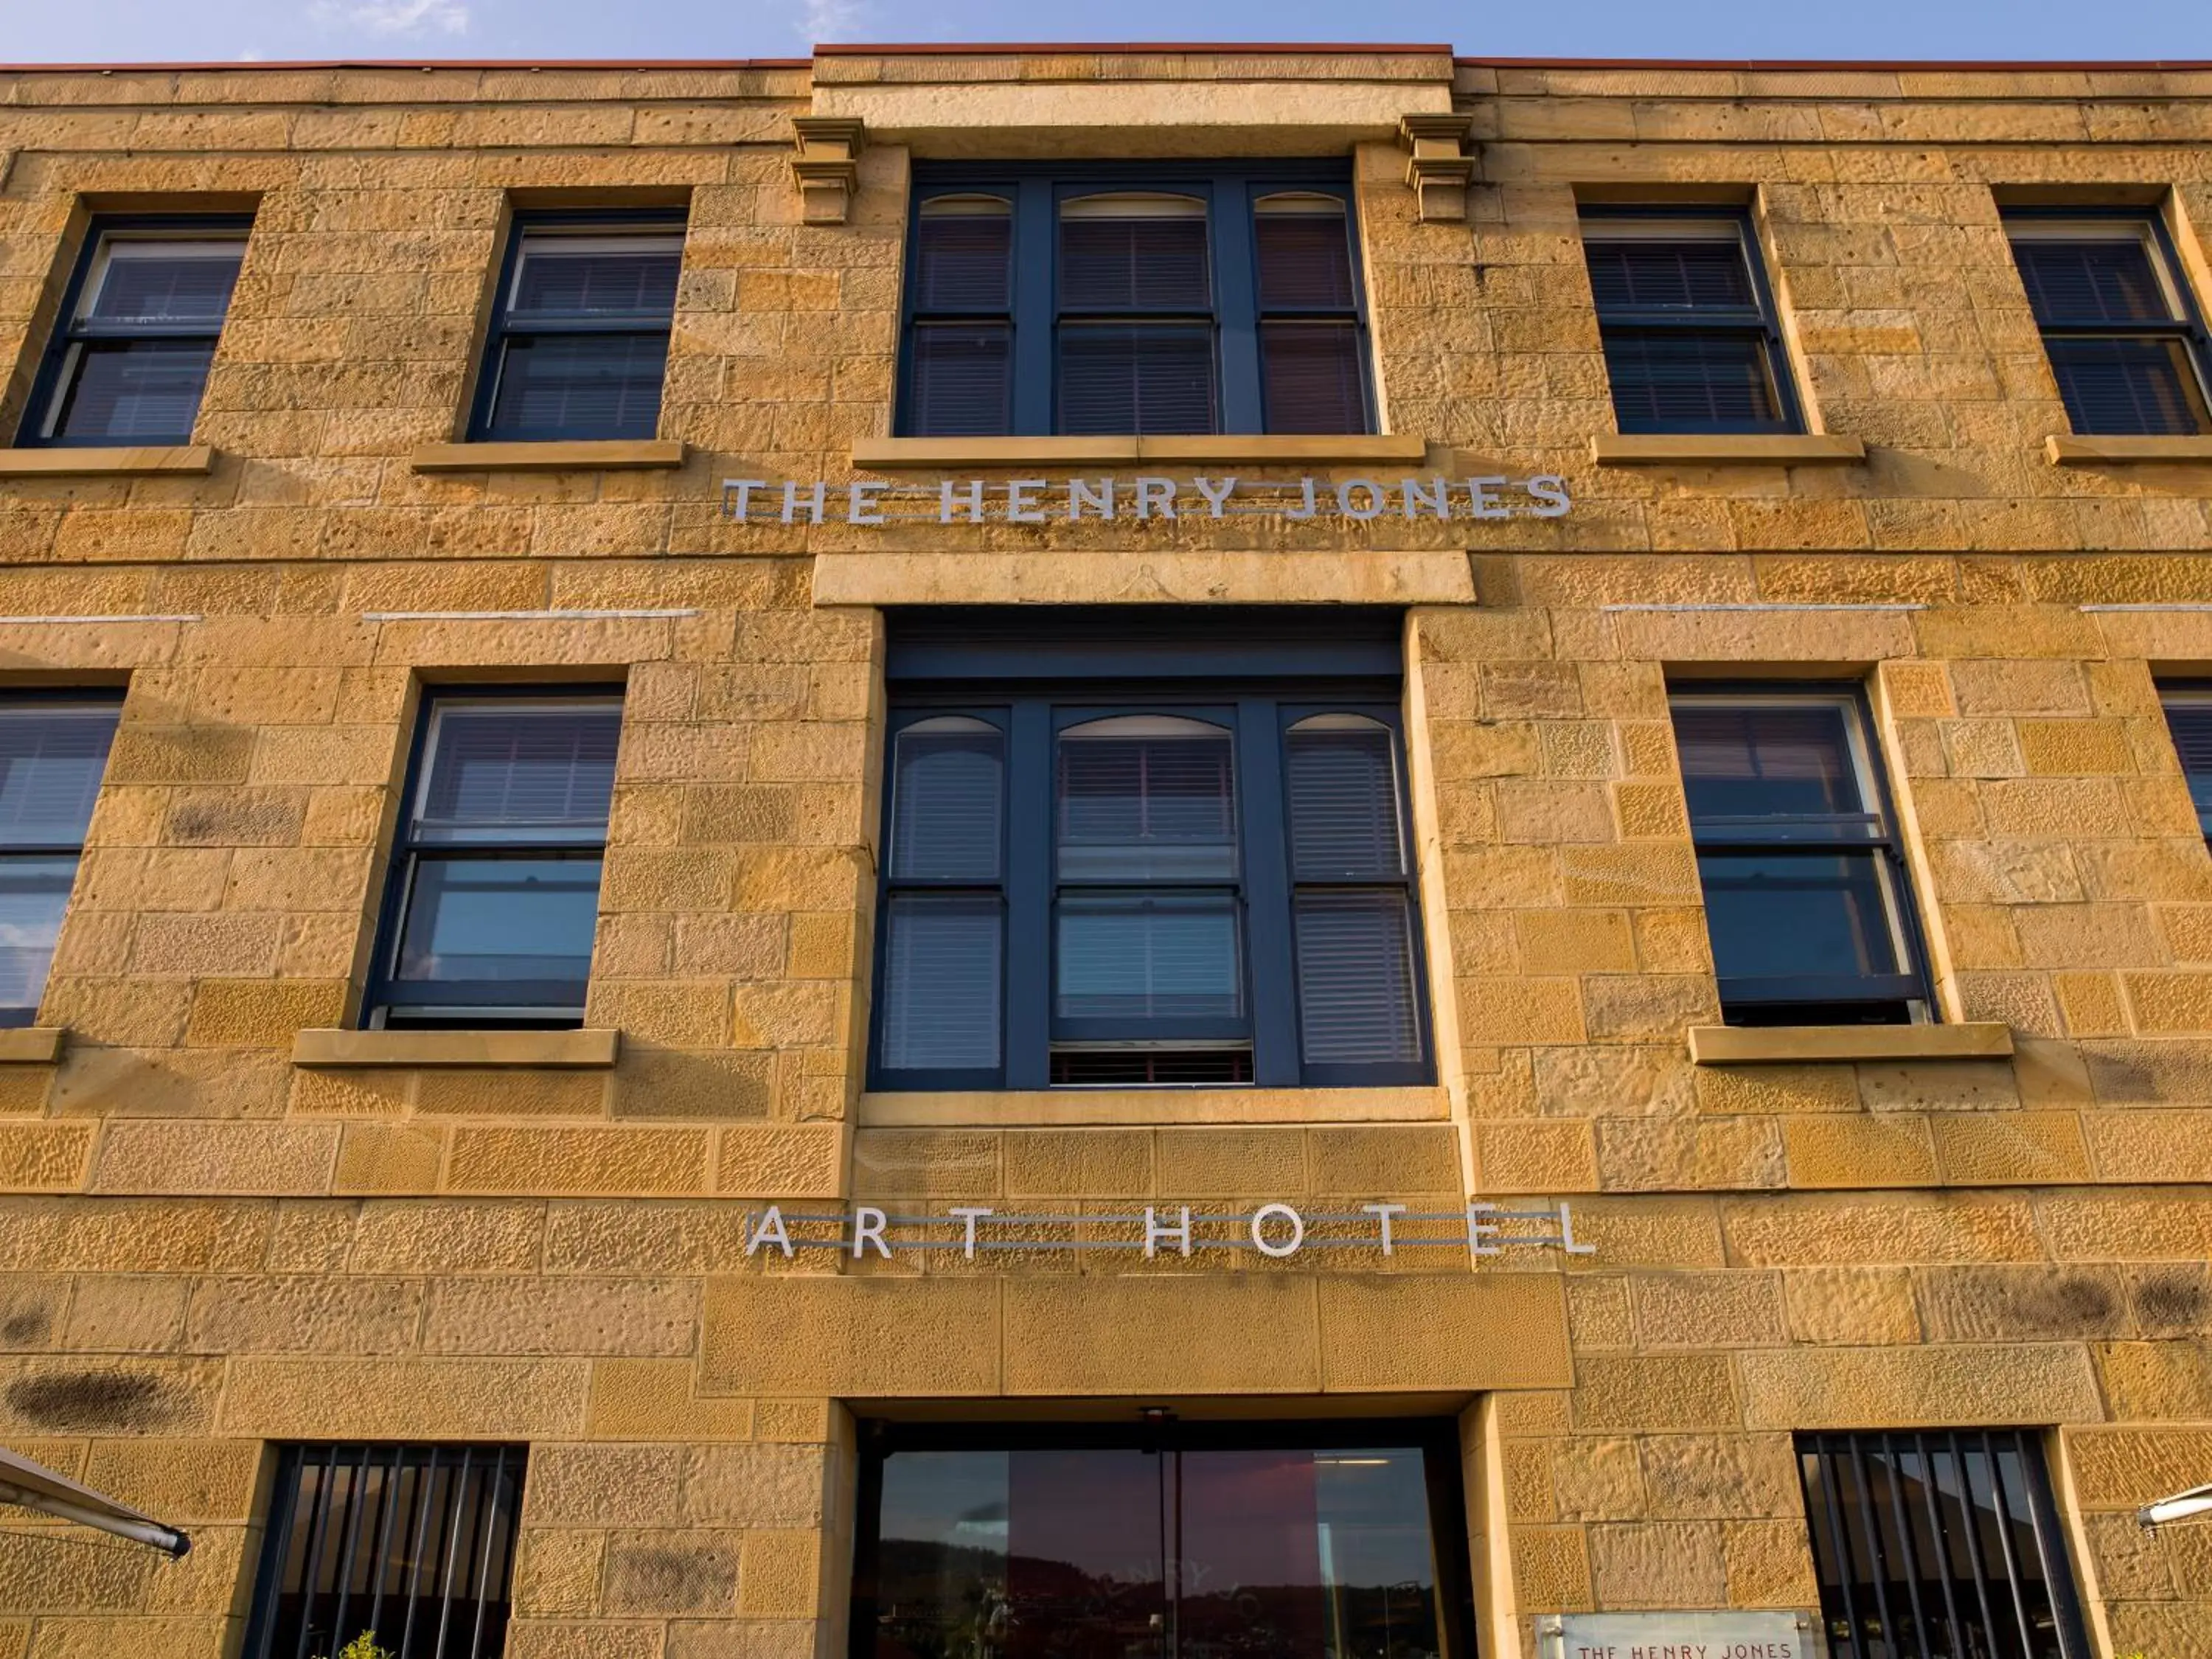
point(1672, 1635)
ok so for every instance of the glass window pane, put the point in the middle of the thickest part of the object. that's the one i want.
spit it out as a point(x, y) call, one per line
point(1133, 261)
point(947, 801)
point(165, 283)
point(1144, 808)
point(2108, 279)
point(1356, 984)
point(581, 385)
point(1660, 276)
point(132, 391)
point(1789, 915)
point(962, 257)
point(595, 276)
point(1669, 381)
point(1312, 372)
point(2121, 386)
point(34, 896)
point(1305, 259)
point(943, 983)
point(51, 762)
point(1141, 379)
point(500, 918)
point(1343, 791)
point(1149, 956)
point(519, 768)
point(2191, 725)
point(1766, 763)
point(960, 380)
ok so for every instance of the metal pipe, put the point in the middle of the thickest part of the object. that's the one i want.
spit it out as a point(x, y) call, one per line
point(167, 1540)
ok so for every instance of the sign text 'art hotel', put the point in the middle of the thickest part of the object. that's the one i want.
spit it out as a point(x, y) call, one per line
point(1143, 500)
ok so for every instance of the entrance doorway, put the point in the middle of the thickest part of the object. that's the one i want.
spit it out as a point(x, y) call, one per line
point(1168, 1541)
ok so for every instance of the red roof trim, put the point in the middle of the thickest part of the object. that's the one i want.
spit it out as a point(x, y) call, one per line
point(1066, 49)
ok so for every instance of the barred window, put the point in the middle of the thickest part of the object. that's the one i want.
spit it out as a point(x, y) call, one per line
point(1943, 1545)
point(412, 1545)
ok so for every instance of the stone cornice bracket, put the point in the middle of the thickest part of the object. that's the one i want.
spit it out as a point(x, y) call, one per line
point(827, 167)
point(1438, 167)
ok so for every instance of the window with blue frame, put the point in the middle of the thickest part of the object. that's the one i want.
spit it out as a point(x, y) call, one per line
point(496, 879)
point(129, 361)
point(1808, 900)
point(2123, 336)
point(578, 346)
point(1140, 299)
point(2189, 718)
point(53, 751)
point(1692, 342)
point(1145, 865)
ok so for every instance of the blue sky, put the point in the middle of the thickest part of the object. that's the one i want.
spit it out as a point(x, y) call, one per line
point(151, 30)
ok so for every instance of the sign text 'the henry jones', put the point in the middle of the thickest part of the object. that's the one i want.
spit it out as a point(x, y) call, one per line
point(1141, 499)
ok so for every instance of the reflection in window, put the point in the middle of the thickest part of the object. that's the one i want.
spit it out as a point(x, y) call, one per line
point(52, 753)
point(1804, 883)
point(129, 360)
point(1119, 1552)
point(496, 876)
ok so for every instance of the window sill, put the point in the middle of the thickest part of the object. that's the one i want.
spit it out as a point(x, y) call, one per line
point(890, 454)
point(598, 455)
point(1725, 449)
point(188, 460)
point(1148, 1107)
point(1779, 1045)
point(2103, 452)
point(573, 1050)
point(31, 1045)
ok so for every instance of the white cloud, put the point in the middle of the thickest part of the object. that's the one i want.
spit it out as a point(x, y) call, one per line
point(832, 19)
point(395, 17)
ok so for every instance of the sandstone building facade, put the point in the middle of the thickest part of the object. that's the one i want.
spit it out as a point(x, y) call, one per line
point(1108, 852)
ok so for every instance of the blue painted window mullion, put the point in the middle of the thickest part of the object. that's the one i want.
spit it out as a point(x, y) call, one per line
point(1037, 259)
point(1235, 305)
point(1266, 893)
point(1029, 897)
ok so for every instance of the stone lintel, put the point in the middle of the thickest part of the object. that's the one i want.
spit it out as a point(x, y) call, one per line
point(1067, 576)
point(1725, 449)
point(1777, 1045)
point(1150, 1107)
point(596, 455)
point(121, 462)
point(571, 1049)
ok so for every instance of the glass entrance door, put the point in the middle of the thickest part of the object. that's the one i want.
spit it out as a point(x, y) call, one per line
point(1183, 1549)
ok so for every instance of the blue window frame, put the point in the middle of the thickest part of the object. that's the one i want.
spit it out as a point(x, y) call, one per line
point(1692, 342)
point(1136, 299)
point(53, 751)
point(578, 344)
point(2125, 341)
point(2188, 705)
point(1126, 872)
point(1808, 904)
point(128, 362)
point(496, 877)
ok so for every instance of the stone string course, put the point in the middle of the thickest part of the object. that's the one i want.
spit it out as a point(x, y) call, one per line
point(204, 1249)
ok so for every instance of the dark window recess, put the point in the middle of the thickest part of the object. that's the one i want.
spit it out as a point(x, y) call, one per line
point(1938, 1546)
point(129, 361)
point(496, 881)
point(1124, 881)
point(1805, 887)
point(2189, 717)
point(579, 340)
point(414, 1545)
point(2125, 341)
point(1181, 1541)
point(1691, 340)
point(1159, 301)
point(52, 753)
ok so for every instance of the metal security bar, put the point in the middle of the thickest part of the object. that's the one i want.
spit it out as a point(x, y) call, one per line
point(1941, 1545)
point(413, 1543)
